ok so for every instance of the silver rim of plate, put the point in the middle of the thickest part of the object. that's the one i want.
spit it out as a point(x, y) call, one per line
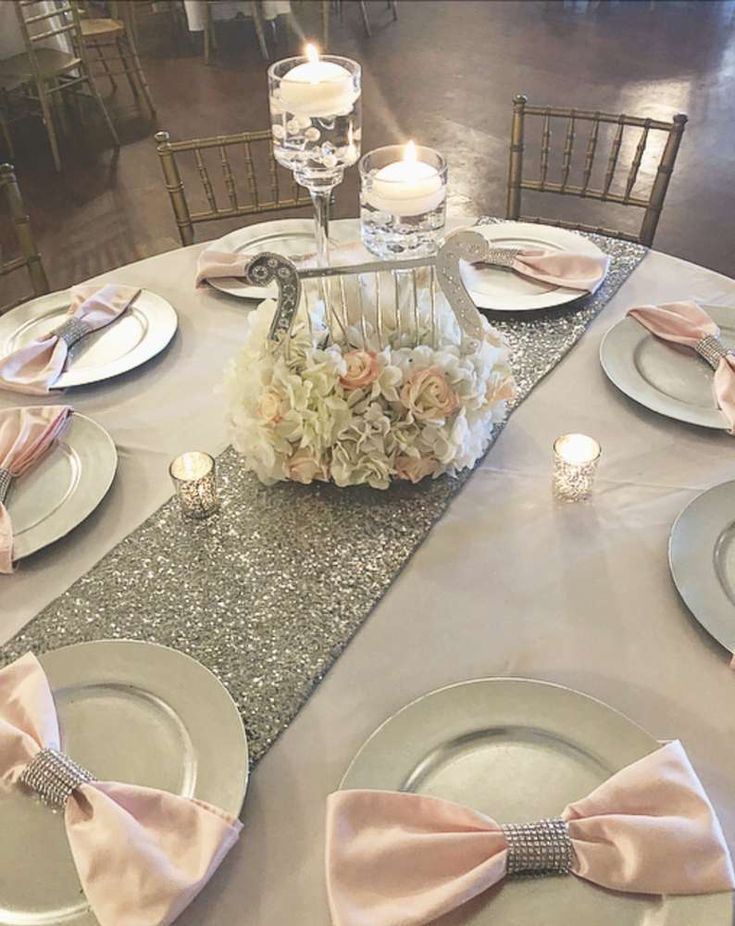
point(128, 711)
point(290, 237)
point(519, 750)
point(666, 378)
point(702, 561)
point(138, 335)
point(64, 488)
point(503, 290)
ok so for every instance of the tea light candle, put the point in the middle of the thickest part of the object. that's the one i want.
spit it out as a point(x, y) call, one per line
point(193, 476)
point(317, 88)
point(575, 463)
point(407, 187)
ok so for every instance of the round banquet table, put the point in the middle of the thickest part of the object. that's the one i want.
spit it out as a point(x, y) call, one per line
point(508, 583)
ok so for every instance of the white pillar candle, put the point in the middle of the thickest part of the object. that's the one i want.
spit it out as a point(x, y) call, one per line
point(407, 187)
point(317, 88)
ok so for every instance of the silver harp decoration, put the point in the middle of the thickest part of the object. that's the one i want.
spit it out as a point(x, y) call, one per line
point(370, 297)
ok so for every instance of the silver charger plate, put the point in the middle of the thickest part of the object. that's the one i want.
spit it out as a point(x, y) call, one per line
point(520, 750)
point(140, 333)
point(702, 560)
point(128, 711)
point(289, 237)
point(667, 378)
point(63, 489)
point(502, 290)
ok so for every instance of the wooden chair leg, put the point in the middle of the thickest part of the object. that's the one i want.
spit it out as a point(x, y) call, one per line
point(106, 67)
point(5, 135)
point(140, 73)
point(103, 109)
point(208, 34)
point(393, 6)
point(126, 63)
point(260, 31)
point(325, 25)
point(48, 121)
point(365, 18)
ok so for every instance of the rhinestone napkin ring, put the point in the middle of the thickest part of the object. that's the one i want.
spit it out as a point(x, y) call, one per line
point(501, 257)
point(5, 477)
point(712, 350)
point(53, 776)
point(543, 848)
point(73, 330)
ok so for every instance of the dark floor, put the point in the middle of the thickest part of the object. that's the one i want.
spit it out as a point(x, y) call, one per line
point(443, 74)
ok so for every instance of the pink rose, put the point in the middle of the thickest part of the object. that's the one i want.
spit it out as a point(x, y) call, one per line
point(500, 389)
point(429, 396)
point(303, 467)
point(415, 468)
point(362, 369)
point(271, 407)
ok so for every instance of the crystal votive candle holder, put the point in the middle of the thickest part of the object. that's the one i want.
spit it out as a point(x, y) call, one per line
point(576, 457)
point(403, 201)
point(194, 478)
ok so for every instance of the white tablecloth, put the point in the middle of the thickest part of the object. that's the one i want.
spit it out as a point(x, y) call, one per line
point(229, 9)
point(11, 38)
point(509, 582)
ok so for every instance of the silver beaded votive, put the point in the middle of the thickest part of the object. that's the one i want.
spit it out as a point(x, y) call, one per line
point(575, 463)
point(193, 476)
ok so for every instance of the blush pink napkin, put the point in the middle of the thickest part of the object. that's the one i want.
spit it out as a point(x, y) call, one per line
point(142, 855)
point(34, 369)
point(396, 859)
point(687, 323)
point(571, 271)
point(26, 434)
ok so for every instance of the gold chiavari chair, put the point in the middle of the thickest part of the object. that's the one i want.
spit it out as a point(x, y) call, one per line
point(113, 43)
point(50, 71)
point(611, 188)
point(210, 39)
point(255, 163)
point(29, 257)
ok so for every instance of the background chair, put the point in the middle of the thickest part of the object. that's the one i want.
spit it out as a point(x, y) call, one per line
point(210, 39)
point(46, 72)
point(255, 168)
point(112, 40)
point(598, 181)
point(29, 257)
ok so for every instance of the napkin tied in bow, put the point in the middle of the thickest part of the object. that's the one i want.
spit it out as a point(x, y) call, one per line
point(399, 859)
point(35, 368)
point(141, 854)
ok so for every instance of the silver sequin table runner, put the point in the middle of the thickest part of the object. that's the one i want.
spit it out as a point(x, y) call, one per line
point(269, 592)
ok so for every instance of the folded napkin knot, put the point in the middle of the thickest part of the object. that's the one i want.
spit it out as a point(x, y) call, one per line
point(712, 350)
point(502, 257)
point(54, 776)
point(5, 477)
point(542, 848)
point(73, 330)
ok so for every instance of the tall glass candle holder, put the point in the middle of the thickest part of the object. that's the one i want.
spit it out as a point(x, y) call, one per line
point(576, 457)
point(403, 200)
point(315, 121)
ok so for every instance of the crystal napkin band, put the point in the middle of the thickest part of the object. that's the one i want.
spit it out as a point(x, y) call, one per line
point(543, 848)
point(501, 257)
point(712, 350)
point(54, 776)
point(72, 330)
point(5, 479)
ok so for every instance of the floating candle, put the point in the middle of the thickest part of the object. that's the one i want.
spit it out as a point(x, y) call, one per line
point(408, 187)
point(317, 88)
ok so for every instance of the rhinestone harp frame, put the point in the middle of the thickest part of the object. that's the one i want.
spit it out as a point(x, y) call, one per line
point(54, 776)
point(712, 350)
point(542, 848)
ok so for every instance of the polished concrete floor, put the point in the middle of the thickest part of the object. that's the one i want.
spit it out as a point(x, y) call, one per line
point(443, 74)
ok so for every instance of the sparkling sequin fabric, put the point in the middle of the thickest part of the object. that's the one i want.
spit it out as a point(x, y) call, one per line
point(268, 592)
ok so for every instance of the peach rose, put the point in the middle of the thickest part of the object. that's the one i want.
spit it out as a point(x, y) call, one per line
point(303, 467)
point(414, 468)
point(428, 395)
point(362, 369)
point(500, 389)
point(271, 407)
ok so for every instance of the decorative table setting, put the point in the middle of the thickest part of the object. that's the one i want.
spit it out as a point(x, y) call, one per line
point(505, 673)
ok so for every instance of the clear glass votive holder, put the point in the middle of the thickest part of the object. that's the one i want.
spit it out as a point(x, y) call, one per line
point(194, 478)
point(403, 201)
point(576, 457)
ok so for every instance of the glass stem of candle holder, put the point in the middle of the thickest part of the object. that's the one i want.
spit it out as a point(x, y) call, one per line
point(321, 200)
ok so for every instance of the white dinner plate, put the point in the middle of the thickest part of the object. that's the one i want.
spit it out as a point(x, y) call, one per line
point(141, 332)
point(289, 237)
point(702, 560)
point(667, 378)
point(132, 712)
point(63, 488)
point(503, 290)
point(518, 751)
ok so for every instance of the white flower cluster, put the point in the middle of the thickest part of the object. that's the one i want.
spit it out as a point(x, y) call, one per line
point(355, 412)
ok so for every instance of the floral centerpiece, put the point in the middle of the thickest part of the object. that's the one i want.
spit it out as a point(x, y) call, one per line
point(356, 411)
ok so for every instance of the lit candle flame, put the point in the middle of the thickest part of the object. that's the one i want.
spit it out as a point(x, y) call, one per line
point(312, 53)
point(409, 153)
